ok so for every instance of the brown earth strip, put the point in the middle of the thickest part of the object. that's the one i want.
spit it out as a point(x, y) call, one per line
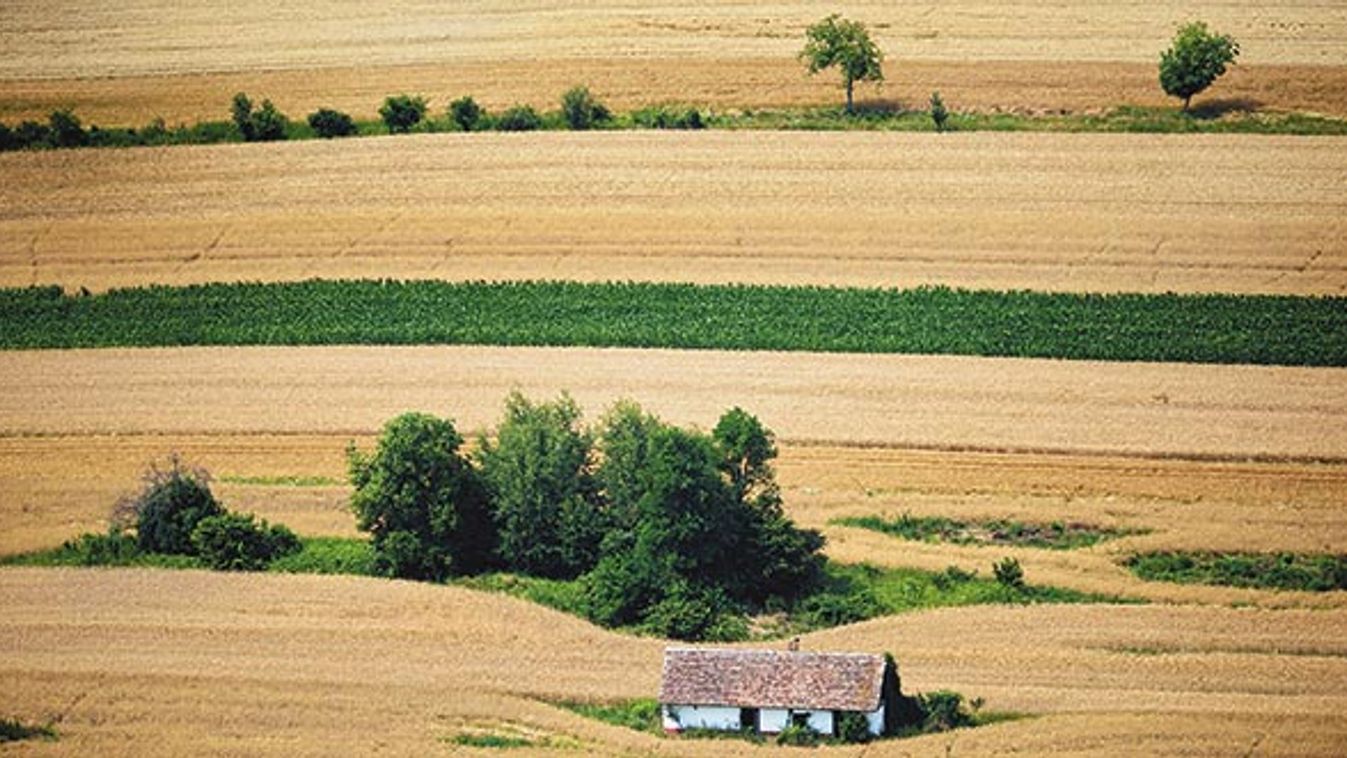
point(1150, 213)
point(984, 86)
point(151, 662)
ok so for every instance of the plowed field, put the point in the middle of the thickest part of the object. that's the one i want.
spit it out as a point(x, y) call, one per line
point(173, 662)
point(128, 63)
point(1004, 211)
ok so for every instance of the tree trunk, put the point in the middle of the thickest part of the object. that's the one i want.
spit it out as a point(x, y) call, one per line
point(850, 109)
point(1187, 100)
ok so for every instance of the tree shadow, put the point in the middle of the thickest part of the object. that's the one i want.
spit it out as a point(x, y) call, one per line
point(1214, 109)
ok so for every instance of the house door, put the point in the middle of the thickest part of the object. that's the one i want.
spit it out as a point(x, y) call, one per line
point(748, 719)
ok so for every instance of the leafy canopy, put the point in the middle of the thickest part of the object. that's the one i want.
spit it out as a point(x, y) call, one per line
point(1197, 58)
point(836, 41)
point(401, 112)
point(423, 504)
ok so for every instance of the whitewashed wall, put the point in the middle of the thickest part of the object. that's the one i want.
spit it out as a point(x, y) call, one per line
point(876, 720)
point(700, 717)
point(772, 720)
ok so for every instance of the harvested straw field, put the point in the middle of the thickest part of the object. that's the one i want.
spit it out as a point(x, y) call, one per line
point(1140, 213)
point(199, 662)
point(128, 64)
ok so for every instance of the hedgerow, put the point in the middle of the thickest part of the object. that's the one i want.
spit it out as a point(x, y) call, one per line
point(1209, 328)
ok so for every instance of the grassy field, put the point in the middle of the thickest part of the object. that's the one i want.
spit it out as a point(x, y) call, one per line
point(1193, 329)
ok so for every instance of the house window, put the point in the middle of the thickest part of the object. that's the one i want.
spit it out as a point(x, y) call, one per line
point(800, 719)
point(748, 719)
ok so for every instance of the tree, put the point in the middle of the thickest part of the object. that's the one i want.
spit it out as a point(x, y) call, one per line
point(421, 501)
point(66, 130)
point(327, 123)
point(581, 110)
point(939, 115)
point(545, 501)
point(1196, 58)
point(520, 118)
point(237, 542)
point(266, 124)
point(401, 112)
point(466, 113)
point(835, 41)
point(171, 503)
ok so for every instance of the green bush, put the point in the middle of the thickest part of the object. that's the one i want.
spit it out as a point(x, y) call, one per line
point(401, 112)
point(327, 123)
point(581, 110)
point(66, 130)
point(944, 710)
point(328, 555)
point(668, 117)
point(466, 113)
point(32, 134)
point(115, 548)
point(266, 124)
point(520, 118)
point(423, 503)
point(797, 735)
point(238, 542)
point(13, 730)
point(1009, 574)
point(939, 115)
point(852, 727)
point(168, 508)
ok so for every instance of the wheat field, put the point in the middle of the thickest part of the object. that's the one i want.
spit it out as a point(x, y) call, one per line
point(1085, 212)
point(129, 63)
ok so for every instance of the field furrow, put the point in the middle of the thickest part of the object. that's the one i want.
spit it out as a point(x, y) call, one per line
point(1001, 211)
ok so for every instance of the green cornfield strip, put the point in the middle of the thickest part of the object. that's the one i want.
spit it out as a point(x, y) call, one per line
point(1235, 329)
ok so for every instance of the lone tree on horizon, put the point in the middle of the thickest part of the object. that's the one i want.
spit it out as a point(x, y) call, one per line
point(836, 41)
point(1196, 58)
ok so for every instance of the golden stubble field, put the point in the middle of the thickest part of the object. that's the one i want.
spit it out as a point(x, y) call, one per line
point(130, 62)
point(148, 663)
point(1098, 212)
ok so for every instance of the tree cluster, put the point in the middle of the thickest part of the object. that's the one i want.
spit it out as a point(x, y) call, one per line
point(674, 531)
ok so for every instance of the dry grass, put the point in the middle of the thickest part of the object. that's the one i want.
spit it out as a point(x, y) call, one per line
point(1086, 212)
point(161, 663)
point(131, 62)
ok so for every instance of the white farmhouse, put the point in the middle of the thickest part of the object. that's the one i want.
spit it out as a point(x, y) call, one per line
point(765, 690)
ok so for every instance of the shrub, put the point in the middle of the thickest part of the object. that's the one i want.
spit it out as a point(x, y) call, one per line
point(466, 113)
point(115, 548)
point(798, 735)
point(852, 727)
point(1009, 574)
point(237, 542)
point(581, 110)
point(13, 730)
point(421, 501)
point(943, 710)
point(32, 134)
point(266, 124)
point(8, 139)
point(1196, 58)
point(327, 123)
point(668, 117)
point(66, 130)
point(520, 118)
point(828, 609)
point(401, 112)
point(169, 506)
point(939, 116)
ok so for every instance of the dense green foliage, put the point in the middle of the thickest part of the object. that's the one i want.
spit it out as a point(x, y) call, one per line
point(328, 555)
point(846, 44)
point(1280, 571)
point(465, 113)
point(265, 124)
point(1253, 329)
point(519, 118)
point(13, 730)
point(581, 110)
point(641, 714)
point(1197, 58)
point(544, 498)
point(238, 542)
point(170, 504)
point(422, 501)
point(401, 112)
point(328, 124)
point(114, 548)
point(667, 117)
point(1056, 535)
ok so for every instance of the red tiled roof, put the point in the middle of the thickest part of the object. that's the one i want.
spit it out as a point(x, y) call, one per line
point(772, 679)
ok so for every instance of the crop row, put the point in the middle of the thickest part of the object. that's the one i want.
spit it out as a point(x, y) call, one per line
point(1237, 329)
